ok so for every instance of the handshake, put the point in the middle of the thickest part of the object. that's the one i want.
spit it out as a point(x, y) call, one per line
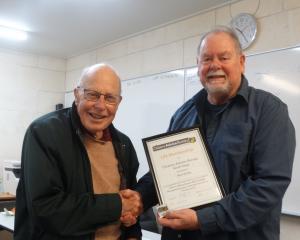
point(132, 207)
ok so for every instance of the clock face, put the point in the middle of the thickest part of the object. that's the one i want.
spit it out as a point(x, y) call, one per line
point(245, 27)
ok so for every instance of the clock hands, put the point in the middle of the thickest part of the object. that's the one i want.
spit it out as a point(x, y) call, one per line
point(240, 31)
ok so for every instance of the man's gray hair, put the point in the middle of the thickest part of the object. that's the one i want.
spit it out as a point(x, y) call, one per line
point(222, 29)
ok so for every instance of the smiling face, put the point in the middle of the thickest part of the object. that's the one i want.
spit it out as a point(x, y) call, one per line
point(220, 67)
point(96, 116)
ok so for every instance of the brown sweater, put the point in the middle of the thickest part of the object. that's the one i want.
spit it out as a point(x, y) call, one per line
point(106, 179)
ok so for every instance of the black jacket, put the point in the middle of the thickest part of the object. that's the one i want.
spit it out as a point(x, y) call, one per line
point(55, 198)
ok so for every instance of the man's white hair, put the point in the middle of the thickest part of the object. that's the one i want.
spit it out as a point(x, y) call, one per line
point(85, 72)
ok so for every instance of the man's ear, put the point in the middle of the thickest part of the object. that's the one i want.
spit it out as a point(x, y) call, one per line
point(76, 95)
point(242, 63)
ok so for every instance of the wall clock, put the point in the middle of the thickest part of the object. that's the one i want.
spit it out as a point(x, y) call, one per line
point(245, 26)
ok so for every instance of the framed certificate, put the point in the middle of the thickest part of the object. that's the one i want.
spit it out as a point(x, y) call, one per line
point(182, 168)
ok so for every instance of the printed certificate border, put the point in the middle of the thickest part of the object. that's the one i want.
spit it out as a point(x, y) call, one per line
point(208, 155)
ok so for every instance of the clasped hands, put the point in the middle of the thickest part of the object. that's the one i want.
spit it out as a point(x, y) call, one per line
point(132, 207)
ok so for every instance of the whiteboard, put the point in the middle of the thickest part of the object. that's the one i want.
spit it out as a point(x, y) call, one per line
point(147, 106)
point(192, 83)
point(279, 73)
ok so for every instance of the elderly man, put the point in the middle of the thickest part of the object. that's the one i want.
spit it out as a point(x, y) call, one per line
point(252, 141)
point(74, 164)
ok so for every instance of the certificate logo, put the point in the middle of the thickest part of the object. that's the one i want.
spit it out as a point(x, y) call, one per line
point(174, 143)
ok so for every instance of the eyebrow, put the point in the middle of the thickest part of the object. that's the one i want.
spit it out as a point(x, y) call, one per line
point(218, 54)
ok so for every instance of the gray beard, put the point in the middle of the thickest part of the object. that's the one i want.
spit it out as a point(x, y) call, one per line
point(218, 90)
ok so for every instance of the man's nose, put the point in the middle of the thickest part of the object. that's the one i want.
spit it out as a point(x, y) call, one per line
point(100, 103)
point(215, 64)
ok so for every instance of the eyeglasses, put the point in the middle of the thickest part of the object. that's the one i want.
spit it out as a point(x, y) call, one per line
point(92, 95)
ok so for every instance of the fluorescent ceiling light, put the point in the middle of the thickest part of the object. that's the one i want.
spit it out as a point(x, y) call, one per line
point(12, 34)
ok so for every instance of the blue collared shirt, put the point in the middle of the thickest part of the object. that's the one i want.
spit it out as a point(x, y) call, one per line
point(252, 140)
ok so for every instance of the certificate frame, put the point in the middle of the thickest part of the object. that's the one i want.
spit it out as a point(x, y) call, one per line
point(183, 169)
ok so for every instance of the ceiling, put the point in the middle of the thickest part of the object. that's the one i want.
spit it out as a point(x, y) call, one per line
point(64, 28)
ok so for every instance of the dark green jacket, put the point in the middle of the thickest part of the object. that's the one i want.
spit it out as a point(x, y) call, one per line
point(55, 198)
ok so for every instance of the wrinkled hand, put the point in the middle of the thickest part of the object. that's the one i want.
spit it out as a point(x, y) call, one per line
point(132, 207)
point(185, 219)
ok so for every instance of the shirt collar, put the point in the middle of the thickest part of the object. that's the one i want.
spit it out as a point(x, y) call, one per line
point(243, 90)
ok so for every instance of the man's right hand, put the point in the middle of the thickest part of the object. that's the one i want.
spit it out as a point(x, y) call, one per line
point(132, 206)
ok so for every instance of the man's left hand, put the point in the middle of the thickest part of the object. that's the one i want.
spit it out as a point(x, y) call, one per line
point(185, 219)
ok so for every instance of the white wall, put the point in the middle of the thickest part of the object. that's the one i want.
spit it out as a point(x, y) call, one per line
point(173, 46)
point(31, 85)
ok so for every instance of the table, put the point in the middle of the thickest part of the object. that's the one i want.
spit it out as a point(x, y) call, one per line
point(150, 235)
point(7, 196)
point(6, 222)
point(7, 200)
